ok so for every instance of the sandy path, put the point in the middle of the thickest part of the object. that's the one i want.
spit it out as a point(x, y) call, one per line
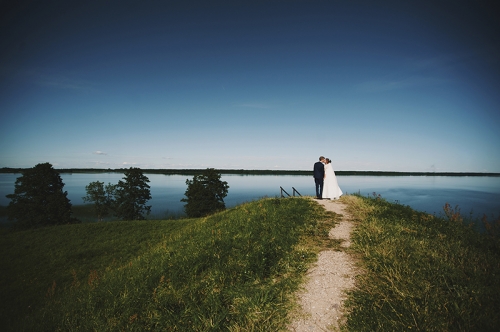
point(322, 296)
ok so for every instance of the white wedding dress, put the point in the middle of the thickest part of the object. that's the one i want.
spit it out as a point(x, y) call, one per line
point(331, 188)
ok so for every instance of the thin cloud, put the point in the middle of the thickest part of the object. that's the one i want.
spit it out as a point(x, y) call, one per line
point(389, 85)
point(418, 72)
point(41, 76)
point(62, 84)
point(100, 153)
point(256, 105)
point(443, 62)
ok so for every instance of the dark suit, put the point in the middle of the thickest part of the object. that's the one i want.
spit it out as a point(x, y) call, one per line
point(319, 175)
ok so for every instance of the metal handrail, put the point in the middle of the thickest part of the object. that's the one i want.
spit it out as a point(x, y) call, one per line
point(283, 191)
point(296, 191)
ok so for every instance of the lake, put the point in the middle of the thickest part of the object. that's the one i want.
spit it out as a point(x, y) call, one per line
point(479, 195)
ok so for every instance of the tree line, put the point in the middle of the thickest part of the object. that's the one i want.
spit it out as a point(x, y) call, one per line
point(256, 172)
point(39, 198)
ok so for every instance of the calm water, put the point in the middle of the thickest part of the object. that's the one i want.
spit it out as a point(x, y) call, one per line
point(424, 193)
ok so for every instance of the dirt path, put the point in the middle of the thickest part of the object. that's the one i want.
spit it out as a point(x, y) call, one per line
point(323, 294)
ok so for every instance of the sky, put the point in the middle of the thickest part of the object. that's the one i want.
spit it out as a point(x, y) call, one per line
point(372, 85)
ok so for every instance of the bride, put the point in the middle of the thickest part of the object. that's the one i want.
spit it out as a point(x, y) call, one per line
point(331, 189)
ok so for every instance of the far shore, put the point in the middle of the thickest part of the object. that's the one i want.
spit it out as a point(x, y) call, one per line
point(255, 172)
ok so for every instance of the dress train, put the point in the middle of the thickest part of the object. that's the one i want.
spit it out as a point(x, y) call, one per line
point(331, 187)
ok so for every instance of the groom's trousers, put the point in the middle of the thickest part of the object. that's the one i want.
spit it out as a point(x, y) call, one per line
point(319, 187)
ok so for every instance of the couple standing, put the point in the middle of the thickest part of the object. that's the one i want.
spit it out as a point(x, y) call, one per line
point(325, 179)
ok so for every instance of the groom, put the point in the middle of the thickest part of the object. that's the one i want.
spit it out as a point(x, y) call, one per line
point(319, 175)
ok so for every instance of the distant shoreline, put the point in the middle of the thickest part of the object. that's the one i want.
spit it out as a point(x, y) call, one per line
point(254, 172)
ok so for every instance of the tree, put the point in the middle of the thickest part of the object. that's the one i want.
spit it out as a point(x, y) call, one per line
point(205, 194)
point(132, 194)
point(38, 199)
point(102, 197)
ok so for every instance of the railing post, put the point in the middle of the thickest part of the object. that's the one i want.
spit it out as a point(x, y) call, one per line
point(295, 191)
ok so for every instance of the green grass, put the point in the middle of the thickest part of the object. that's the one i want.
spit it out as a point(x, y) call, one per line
point(236, 270)
point(86, 213)
point(421, 272)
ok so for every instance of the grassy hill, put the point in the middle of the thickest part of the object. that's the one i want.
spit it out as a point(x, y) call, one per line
point(237, 271)
point(231, 271)
point(422, 272)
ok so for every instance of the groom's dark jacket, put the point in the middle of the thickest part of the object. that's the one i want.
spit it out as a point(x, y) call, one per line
point(319, 170)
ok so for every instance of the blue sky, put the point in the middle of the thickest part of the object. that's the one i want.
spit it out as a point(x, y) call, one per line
point(373, 85)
